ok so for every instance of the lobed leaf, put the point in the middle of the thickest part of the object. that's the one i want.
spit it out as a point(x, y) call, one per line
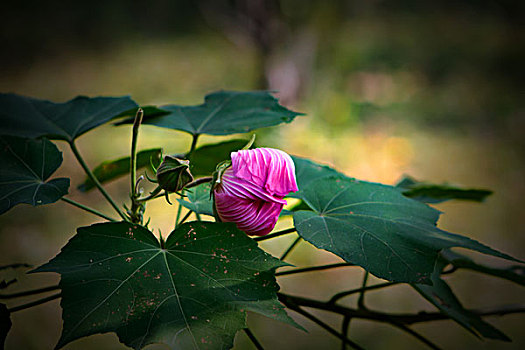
point(114, 169)
point(432, 193)
point(376, 227)
point(224, 113)
point(26, 167)
point(33, 118)
point(191, 294)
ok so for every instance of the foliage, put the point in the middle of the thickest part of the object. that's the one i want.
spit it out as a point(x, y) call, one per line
point(193, 289)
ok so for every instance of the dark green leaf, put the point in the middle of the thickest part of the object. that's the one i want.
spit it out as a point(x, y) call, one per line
point(224, 113)
point(149, 112)
point(198, 199)
point(431, 193)
point(206, 158)
point(307, 171)
point(33, 118)
point(111, 170)
point(515, 273)
point(376, 227)
point(26, 166)
point(192, 294)
point(5, 324)
point(441, 296)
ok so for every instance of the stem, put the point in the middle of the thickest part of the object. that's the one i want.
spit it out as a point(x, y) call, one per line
point(184, 218)
point(14, 266)
point(415, 334)
point(154, 194)
point(95, 180)
point(313, 268)
point(198, 182)
point(340, 295)
point(308, 315)
point(275, 234)
point(253, 339)
point(86, 208)
point(361, 300)
point(35, 303)
point(193, 146)
point(344, 329)
point(179, 211)
point(137, 209)
point(133, 158)
point(29, 292)
point(291, 247)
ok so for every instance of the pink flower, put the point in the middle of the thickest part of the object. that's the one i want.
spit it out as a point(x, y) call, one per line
point(251, 191)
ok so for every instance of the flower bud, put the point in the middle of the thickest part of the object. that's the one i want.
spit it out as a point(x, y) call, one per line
point(173, 174)
point(250, 193)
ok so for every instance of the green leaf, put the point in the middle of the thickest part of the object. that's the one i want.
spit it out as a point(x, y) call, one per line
point(114, 169)
point(206, 158)
point(191, 294)
point(33, 118)
point(376, 227)
point(515, 273)
point(5, 324)
point(224, 113)
point(441, 296)
point(198, 199)
point(307, 171)
point(26, 167)
point(432, 193)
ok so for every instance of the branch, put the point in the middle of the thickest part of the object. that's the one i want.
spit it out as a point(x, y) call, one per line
point(29, 292)
point(86, 208)
point(35, 303)
point(313, 268)
point(95, 180)
point(275, 234)
point(254, 340)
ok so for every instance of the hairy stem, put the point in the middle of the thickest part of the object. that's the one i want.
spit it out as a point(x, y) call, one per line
point(29, 292)
point(313, 268)
point(253, 339)
point(137, 208)
point(275, 234)
point(198, 182)
point(86, 208)
point(95, 180)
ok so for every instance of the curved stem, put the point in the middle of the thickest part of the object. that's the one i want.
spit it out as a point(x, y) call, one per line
point(254, 340)
point(86, 208)
point(35, 303)
point(29, 292)
point(361, 300)
point(415, 334)
point(313, 268)
point(193, 146)
point(275, 234)
point(291, 247)
point(198, 182)
point(95, 180)
point(136, 209)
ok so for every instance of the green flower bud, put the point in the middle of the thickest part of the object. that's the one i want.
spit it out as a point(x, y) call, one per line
point(173, 174)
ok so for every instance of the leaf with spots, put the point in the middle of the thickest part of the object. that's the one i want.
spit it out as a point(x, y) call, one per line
point(26, 167)
point(191, 294)
point(224, 113)
point(30, 117)
point(376, 227)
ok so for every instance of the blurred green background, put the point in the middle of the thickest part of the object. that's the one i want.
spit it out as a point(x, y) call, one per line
point(432, 89)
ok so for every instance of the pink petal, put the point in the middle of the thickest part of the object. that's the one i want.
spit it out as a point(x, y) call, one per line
point(267, 168)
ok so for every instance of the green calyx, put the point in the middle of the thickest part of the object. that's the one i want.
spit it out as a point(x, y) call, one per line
point(173, 174)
